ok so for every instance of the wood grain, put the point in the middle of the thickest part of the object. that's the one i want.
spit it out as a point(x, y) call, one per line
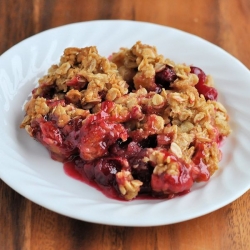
point(27, 226)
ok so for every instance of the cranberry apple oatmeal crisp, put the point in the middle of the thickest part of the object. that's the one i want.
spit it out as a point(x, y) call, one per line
point(136, 122)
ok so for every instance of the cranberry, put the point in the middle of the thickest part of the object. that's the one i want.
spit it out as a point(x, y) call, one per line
point(106, 168)
point(165, 77)
point(127, 149)
point(210, 93)
point(201, 75)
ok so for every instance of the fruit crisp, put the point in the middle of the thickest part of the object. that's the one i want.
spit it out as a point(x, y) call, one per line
point(135, 122)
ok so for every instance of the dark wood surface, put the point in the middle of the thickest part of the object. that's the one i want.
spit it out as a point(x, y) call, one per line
point(27, 226)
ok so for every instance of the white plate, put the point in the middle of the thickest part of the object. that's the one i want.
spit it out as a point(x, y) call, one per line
point(26, 165)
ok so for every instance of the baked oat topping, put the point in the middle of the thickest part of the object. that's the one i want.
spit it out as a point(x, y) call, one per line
point(135, 122)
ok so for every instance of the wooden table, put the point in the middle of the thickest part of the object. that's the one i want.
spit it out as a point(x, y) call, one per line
point(27, 226)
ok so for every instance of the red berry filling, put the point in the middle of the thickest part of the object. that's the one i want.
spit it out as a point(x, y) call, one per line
point(165, 77)
point(210, 93)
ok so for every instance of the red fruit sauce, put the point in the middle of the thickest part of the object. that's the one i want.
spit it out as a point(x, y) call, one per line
point(108, 191)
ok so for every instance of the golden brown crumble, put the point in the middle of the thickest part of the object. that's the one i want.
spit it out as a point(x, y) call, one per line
point(83, 80)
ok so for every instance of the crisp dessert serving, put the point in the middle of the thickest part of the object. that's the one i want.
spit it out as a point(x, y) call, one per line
point(135, 123)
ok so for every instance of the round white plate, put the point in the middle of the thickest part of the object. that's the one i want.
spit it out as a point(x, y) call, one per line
point(27, 167)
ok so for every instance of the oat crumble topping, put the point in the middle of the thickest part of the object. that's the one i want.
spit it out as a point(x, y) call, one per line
point(135, 121)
